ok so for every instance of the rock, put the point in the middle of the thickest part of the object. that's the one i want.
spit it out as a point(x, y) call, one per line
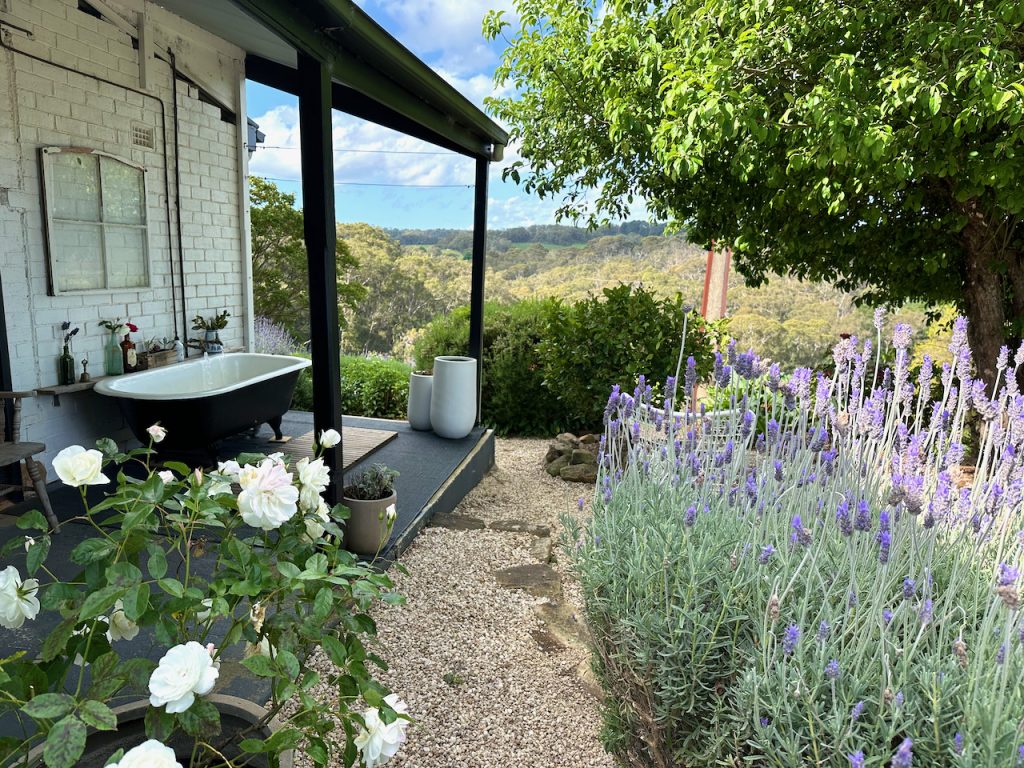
point(568, 437)
point(581, 456)
point(589, 439)
point(556, 466)
point(537, 579)
point(579, 473)
point(520, 526)
point(457, 522)
point(556, 450)
point(542, 549)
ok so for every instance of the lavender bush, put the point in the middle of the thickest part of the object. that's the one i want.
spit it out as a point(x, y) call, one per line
point(833, 588)
point(272, 338)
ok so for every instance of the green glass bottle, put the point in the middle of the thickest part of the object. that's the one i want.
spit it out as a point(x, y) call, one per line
point(66, 367)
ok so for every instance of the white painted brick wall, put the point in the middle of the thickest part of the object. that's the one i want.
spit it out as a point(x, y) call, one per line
point(42, 105)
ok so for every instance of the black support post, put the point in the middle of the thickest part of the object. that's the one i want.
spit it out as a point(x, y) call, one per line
point(314, 91)
point(476, 300)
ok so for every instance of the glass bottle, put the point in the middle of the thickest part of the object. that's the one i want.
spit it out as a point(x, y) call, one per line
point(129, 357)
point(113, 363)
point(66, 367)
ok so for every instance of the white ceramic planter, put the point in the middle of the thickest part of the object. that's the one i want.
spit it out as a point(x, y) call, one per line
point(453, 396)
point(420, 387)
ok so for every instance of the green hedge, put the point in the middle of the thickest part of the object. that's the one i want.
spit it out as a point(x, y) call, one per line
point(371, 387)
point(549, 366)
point(515, 400)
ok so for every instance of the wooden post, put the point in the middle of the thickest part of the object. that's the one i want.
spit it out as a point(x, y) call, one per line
point(314, 91)
point(476, 299)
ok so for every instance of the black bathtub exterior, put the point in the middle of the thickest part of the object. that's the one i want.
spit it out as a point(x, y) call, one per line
point(197, 423)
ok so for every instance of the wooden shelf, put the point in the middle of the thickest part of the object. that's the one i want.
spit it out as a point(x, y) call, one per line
point(66, 389)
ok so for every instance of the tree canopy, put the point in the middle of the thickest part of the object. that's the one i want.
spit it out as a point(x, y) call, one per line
point(875, 144)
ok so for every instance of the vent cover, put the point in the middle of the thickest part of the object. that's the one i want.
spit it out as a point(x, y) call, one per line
point(142, 136)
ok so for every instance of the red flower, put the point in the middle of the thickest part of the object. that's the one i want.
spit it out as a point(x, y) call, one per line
point(132, 327)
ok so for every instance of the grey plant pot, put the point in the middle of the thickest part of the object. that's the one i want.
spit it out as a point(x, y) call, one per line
point(420, 386)
point(366, 531)
point(236, 715)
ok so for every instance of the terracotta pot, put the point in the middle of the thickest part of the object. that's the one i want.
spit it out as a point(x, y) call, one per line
point(420, 386)
point(367, 530)
point(236, 715)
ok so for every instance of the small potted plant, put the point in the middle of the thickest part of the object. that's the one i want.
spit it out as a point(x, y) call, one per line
point(370, 498)
point(211, 342)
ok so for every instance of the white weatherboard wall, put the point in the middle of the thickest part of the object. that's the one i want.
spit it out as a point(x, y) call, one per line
point(45, 105)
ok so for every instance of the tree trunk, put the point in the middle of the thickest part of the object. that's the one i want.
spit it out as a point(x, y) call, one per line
point(984, 293)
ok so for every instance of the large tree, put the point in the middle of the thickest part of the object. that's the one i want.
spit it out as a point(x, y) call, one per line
point(876, 144)
point(280, 268)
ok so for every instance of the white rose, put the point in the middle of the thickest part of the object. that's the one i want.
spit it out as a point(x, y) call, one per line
point(268, 498)
point(18, 599)
point(329, 438)
point(149, 754)
point(76, 466)
point(166, 475)
point(377, 742)
point(390, 514)
point(183, 672)
point(313, 478)
point(157, 433)
point(314, 525)
point(229, 469)
point(121, 627)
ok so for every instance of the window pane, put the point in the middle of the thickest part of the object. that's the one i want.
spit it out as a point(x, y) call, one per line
point(123, 192)
point(126, 257)
point(76, 256)
point(75, 187)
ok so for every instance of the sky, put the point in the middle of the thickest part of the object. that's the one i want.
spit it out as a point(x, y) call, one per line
point(383, 177)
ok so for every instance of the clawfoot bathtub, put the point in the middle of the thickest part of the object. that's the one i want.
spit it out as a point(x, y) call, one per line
point(202, 401)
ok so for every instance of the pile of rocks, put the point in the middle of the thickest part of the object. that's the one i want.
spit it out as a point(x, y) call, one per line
point(573, 458)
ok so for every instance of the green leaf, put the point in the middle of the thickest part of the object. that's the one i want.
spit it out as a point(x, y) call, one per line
point(116, 757)
point(97, 715)
point(201, 720)
point(136, 601)
point(92, 550)
point(65, 743)
point(99, 602)
point(335, 649)
point(107, 447)
point(173, 587)
point(33, 519)
point(153, 489)
point(159, 724)
point(252, 745)
point(57, 640)
point(323, 604)
point(36, 554)
point(123, 574)
point(49, 706)
point(157, 563)
point(260, 666)
point(288, 570)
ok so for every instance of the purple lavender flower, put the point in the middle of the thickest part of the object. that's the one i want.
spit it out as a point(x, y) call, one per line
point(774, 377)
point(764, 721)
point(823, 630)
point(772, 430)
point(886, 616)
point(724, 376)
point(879, 318)
point(857, 711)
point(777, 465)
point(690, 378)
point(899, 698)
point(902, 335)
point(856, 759)
point(636, 431)
point(670, 388)
point(580, 503)
point(801, 534)
point(607, 495)
point(1003, 358)
point(1020, 755)
point(904, 755)
point(1001, 654)
point(790, 639)
point(843, 518)
point(1008, 575)
point(747, 424)
point(613, 403)
point(832, 670)
point(884, 542)
point(766, 554)
point(862, 520)
point(691, 516)
point(958, 743)
point(852, 599)
point(925, 612)
point(909, 588)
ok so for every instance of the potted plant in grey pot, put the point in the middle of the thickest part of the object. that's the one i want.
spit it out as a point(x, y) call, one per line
point(370, 498)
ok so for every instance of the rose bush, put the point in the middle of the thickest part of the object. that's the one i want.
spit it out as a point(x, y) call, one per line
point(257, 579)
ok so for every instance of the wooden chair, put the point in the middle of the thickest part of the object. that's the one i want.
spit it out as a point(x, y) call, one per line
point(14, 451)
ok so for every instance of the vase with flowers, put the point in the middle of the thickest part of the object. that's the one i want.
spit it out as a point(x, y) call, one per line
point(211, 343)
point(225, 582)
point(113, 357)
point(66, 361)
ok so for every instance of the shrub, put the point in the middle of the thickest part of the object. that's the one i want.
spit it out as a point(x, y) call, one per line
point(594, 343)
point(370, 386)
point(835, 590)
point(272, 338)
point(514, 398)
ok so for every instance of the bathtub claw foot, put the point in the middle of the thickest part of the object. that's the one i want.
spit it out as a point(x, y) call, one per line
point(275, 424)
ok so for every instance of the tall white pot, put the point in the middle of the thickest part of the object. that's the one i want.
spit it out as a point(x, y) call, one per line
point(420, 387)
point(453, 396)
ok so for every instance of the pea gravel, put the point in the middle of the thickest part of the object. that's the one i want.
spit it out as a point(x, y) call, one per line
point(483, 691)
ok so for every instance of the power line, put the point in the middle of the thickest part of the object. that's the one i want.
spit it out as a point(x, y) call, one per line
point(352, 149)
point(372, 183)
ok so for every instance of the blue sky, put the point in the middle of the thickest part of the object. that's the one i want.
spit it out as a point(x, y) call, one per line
point(430, 187)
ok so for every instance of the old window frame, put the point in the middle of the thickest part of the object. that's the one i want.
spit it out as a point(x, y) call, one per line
point(104, 226)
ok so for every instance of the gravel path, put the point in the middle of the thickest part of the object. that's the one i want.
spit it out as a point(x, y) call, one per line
point(487, 685)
